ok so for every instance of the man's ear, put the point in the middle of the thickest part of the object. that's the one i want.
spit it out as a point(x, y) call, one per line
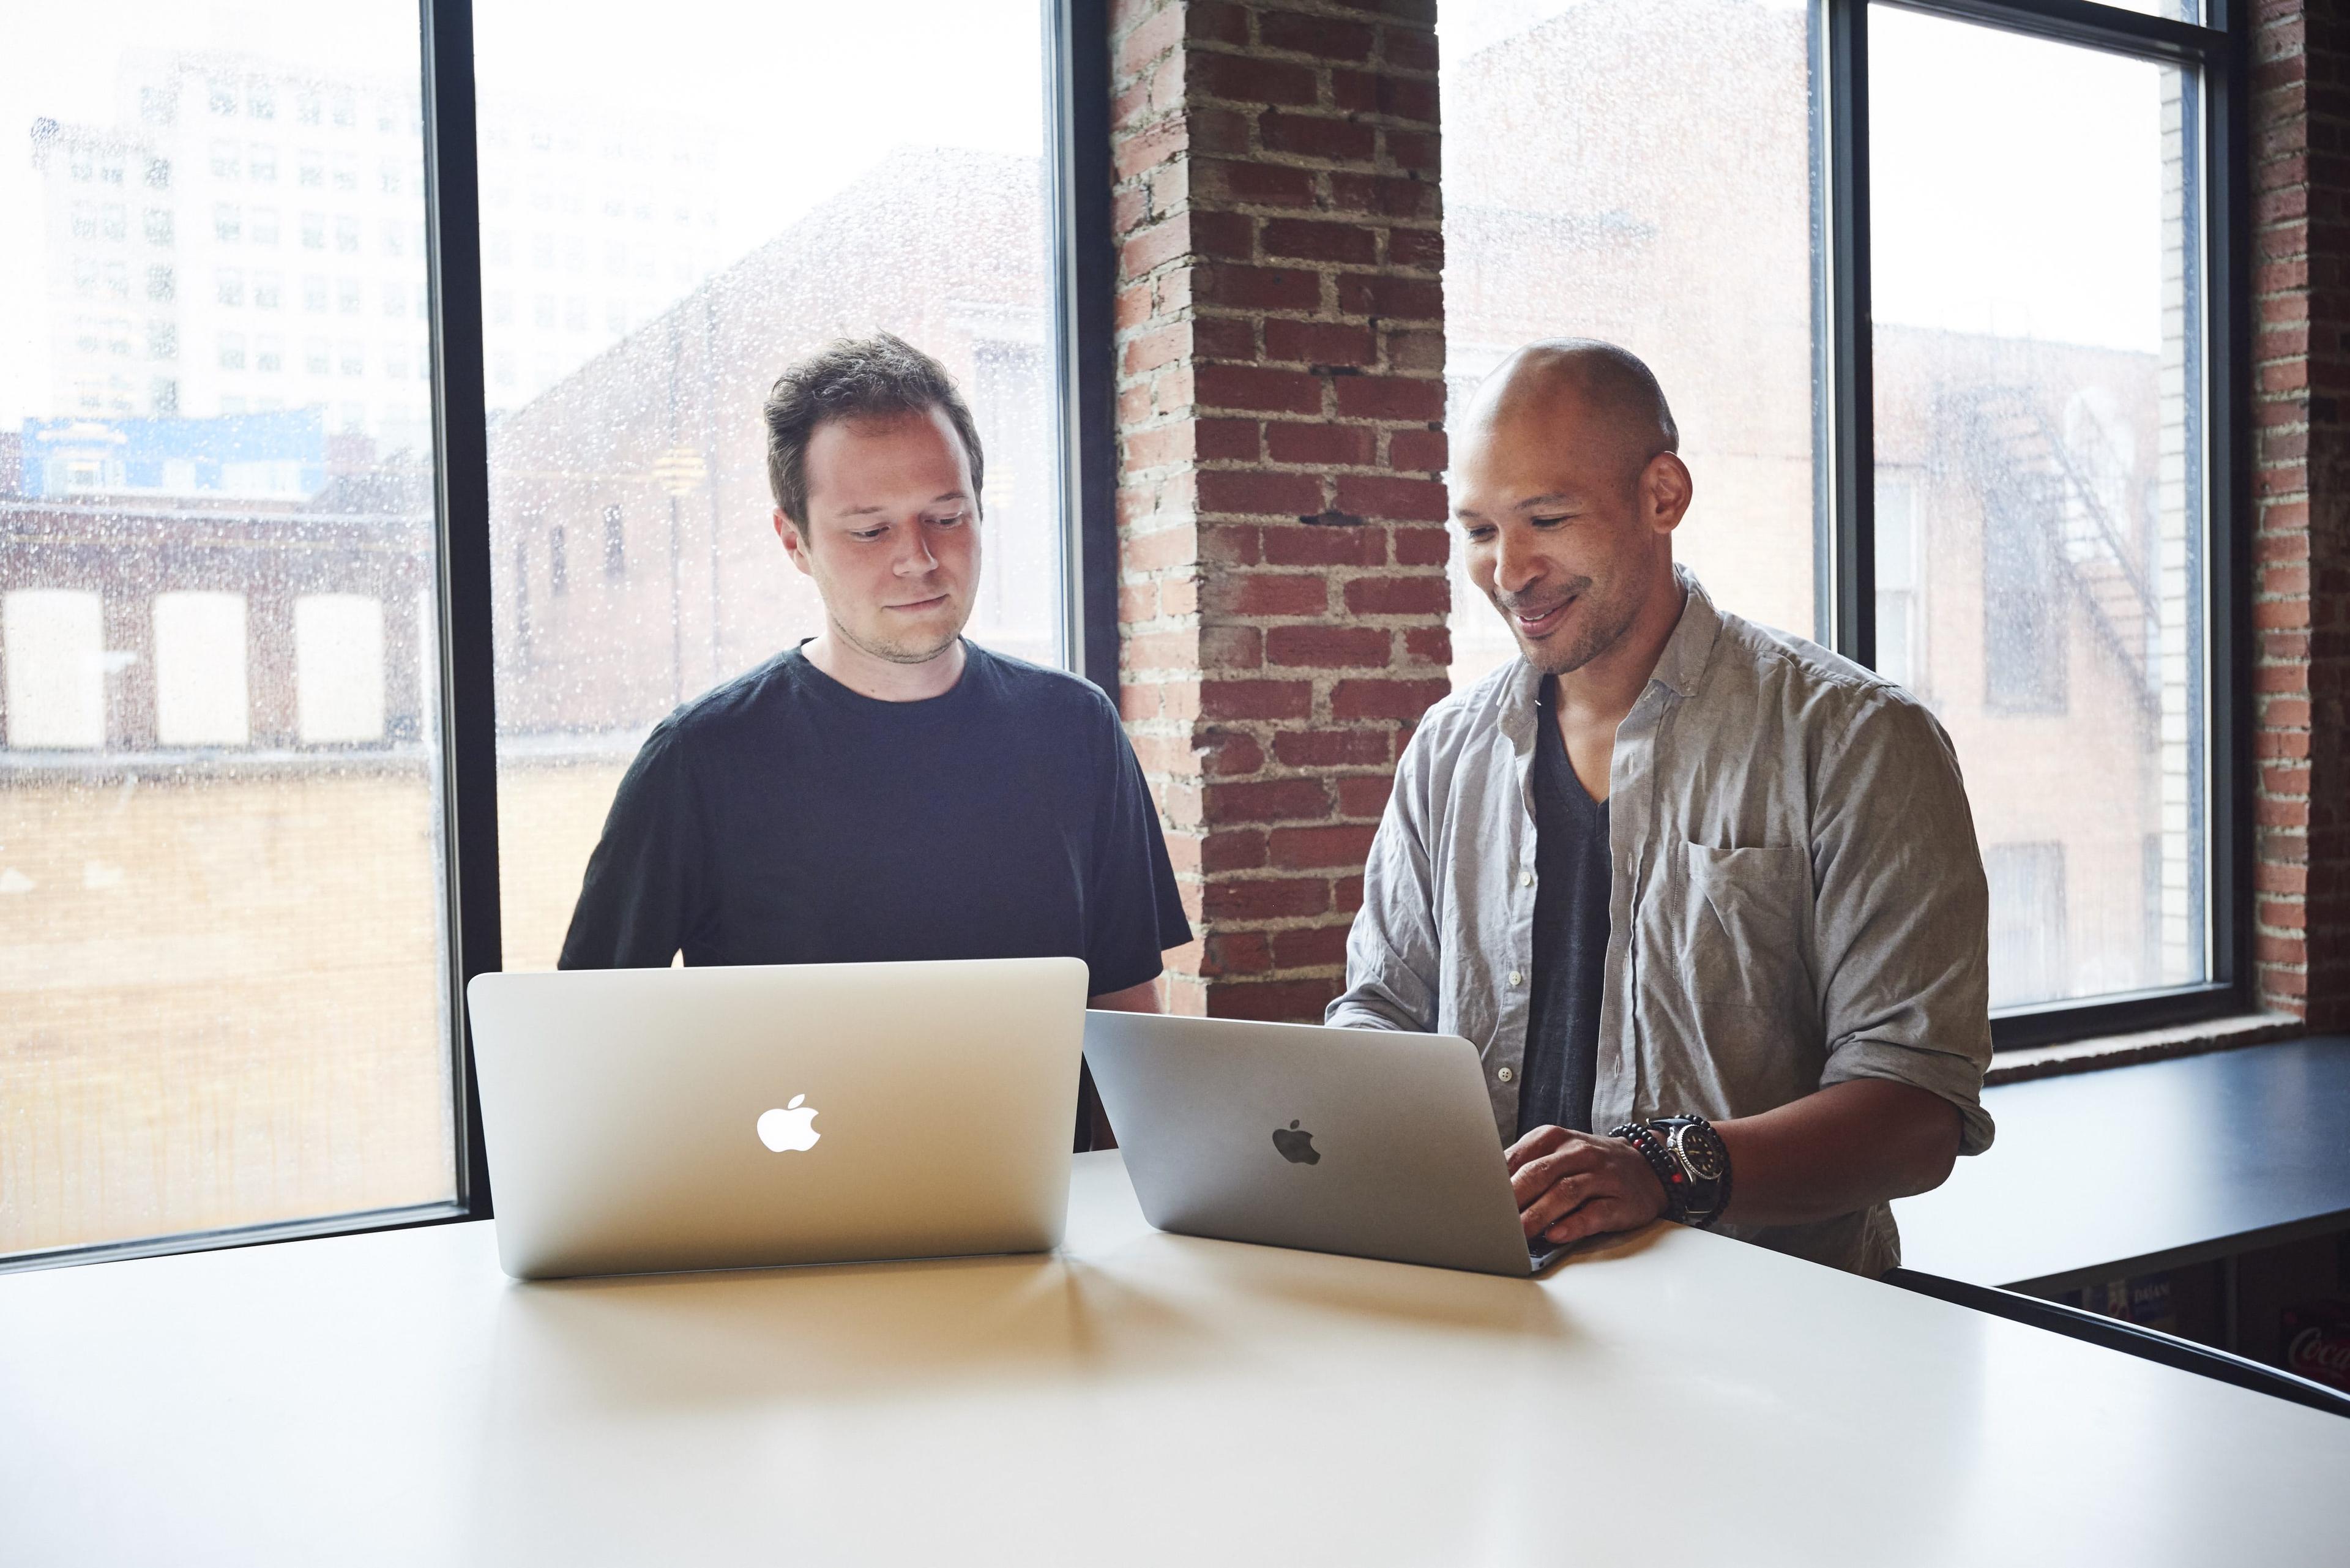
point(794, 545)
point(1666, 491)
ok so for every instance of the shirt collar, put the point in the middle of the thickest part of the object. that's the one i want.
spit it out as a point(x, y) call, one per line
point(1680, 668)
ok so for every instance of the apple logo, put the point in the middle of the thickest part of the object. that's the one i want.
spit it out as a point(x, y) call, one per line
point(1297, 1148)
point(791, 1128)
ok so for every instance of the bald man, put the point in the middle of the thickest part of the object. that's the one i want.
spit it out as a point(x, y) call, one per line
point(1705, 895)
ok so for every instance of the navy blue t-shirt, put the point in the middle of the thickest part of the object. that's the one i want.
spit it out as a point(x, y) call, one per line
point(784, 818)
point(1570, 922)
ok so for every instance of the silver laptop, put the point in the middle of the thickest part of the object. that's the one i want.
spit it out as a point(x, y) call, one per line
point(640, 1120)
point(1361, 1141)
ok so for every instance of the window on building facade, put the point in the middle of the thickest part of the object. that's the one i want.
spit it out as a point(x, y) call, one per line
point(930, 221)
point(213, 756)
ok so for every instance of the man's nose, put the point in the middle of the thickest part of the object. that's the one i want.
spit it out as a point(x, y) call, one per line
point(914, 557)
point(1517, 565)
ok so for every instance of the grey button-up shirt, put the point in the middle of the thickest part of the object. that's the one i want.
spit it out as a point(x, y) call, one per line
point(1797, 897)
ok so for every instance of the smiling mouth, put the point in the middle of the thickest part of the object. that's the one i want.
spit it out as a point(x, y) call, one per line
point(1545, 622)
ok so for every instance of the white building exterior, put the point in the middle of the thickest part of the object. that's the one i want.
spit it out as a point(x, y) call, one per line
point(249, 236)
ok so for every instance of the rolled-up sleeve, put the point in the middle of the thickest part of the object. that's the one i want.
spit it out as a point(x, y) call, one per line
point(1393, 953)
point(1902, 920)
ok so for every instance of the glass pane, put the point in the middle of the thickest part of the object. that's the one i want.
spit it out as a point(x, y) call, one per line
point(646, 275)
point(221, 976)
point(2040, 482)
point(1642, 173)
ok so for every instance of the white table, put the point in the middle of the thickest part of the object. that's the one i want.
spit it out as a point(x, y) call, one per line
point(1136, 1399)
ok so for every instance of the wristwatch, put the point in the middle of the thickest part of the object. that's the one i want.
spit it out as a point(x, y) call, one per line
point(1703, 1160)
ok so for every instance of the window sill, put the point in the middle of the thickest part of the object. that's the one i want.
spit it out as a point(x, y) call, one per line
point(2226, 1033)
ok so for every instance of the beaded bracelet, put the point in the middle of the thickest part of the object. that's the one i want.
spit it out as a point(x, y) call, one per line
point(1641, 1137)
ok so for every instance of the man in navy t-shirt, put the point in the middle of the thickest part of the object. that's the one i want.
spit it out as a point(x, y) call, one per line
point(885, 790)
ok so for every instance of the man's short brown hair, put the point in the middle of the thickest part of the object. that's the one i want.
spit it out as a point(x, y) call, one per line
point(881, 377)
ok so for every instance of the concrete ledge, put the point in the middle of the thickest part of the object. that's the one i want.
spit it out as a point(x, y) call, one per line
point(2147, 1045)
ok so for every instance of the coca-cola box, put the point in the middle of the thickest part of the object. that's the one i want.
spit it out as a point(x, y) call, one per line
point(2317, 1342)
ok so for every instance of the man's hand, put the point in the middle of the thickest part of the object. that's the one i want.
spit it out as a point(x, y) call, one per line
point(1570, 1185)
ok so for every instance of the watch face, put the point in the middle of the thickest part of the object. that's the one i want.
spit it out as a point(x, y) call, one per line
point(1701, 1151)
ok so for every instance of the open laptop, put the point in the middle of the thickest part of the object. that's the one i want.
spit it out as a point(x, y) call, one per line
point(640, 1120)
point(1361, 1141)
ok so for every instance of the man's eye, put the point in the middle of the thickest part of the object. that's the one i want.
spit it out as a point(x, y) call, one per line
point(1479, 536)
point(867, 533)
point(1552, 522)
point(950, 520)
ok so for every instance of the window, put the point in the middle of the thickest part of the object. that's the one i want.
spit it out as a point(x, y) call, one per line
point(339, 667)
point(200, 695)
point(661, 428)
point(616, 545)
point(52, 650)
point(2028, 926)
point(2040, 351)
point(1955, 397)
point(218, 748)
point(1900, 621)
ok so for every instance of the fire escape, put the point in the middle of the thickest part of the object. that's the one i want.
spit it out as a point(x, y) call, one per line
point(2012, 454)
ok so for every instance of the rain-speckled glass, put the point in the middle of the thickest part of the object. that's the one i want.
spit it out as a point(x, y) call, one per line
point(2041, 497)
point(670, 215)
point(222, 971)
point(1639, 170)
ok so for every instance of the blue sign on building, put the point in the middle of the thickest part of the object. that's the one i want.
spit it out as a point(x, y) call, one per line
point(278, 456)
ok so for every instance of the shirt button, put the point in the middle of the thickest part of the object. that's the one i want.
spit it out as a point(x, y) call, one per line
point(1505, 1075)
point(1525, 878)
point(1516, 978)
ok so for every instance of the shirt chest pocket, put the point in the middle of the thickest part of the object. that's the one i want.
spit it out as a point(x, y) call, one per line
point(1738, 922)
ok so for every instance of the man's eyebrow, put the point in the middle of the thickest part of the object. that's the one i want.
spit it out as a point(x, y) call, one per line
point(870, 511)
point(1557, 498)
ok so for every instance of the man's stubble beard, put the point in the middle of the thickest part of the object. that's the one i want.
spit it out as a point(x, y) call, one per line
point(1609, 624)
point(896, 652)
point(888, 651)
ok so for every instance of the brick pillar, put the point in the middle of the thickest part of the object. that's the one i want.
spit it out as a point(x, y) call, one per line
point(1281, 513)
point(2300, 545)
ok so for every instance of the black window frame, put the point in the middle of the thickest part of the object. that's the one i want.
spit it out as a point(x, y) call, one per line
point(2217, 54)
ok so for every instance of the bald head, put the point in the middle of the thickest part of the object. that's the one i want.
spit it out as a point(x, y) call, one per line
point(1604, 394)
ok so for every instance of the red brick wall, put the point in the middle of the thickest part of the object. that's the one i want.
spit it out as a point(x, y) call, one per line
point(2301, 546)
point(1280, 399)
